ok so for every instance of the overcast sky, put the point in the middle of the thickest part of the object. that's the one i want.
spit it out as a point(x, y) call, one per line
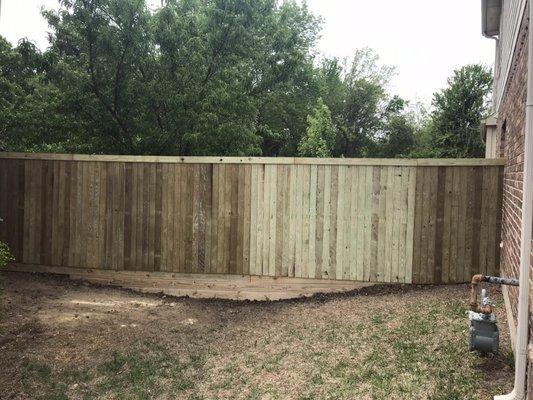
point(424, 40)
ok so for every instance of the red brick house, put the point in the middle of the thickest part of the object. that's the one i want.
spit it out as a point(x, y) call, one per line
point(509, 135)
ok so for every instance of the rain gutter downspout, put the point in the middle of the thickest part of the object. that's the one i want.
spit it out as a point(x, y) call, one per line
point(522, 330)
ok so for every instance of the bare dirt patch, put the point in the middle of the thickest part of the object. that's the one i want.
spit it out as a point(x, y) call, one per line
point(60, 339)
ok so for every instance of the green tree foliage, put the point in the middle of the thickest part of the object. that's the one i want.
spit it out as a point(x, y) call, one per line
point(320, 136)
point(399, 135)
point(30, 115)
point(454, 127)
point(194, 77)
point(362, 109)
point(225, 77)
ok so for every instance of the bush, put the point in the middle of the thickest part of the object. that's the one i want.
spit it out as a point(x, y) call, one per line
point(5, 255)
point(319, 138)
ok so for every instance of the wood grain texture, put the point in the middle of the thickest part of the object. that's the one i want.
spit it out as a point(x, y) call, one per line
point(413, 162)
point(411, 221)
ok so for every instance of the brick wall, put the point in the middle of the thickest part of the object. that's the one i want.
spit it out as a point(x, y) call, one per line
point(511, 122)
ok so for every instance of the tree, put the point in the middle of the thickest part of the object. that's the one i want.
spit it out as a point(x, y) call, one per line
point(356, 93)
point(285, 86)
point(195, 77)
point(320, 136)
point(224, 77)
point(31, 116)
point(149, 83)
point(454, 127)
point(397, 137)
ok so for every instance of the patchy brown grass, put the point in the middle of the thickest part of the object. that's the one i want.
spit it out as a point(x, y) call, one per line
point(62, 340)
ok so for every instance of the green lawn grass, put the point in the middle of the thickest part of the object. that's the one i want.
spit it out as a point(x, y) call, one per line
point(407, 346)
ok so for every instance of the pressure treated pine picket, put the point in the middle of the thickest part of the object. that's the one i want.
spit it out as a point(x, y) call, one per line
point(413, 221)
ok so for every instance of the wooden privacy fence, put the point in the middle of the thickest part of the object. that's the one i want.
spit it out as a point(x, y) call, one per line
point(414, 221)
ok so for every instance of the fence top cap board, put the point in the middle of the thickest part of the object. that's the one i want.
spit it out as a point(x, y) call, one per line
point(413, 162)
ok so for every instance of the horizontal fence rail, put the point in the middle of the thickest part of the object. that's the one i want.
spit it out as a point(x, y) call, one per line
point(412, 221)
